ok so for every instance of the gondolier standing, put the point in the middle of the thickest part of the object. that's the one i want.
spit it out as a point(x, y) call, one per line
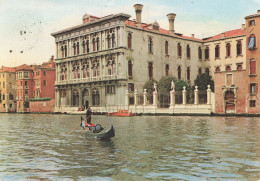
point(88, 115)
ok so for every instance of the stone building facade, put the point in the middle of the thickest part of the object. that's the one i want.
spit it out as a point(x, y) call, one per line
point(103, 58)
point(7, 89)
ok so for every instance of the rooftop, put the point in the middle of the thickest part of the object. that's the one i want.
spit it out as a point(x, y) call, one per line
point(7, 69)
point(227, 34)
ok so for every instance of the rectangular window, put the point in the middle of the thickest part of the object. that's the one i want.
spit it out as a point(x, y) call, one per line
point(3, 96)
point(131, 87)
point(251, 43)
point(26, 74)
point(26, 92)
point(253, 88)
point(150, 70)
point(44, 83)
point(44, 72)
point(252, 67)
point(10, 105)
point(4, 105)
point(110, 89)
point(252, 103)
point(251, 22)
point(3, 84)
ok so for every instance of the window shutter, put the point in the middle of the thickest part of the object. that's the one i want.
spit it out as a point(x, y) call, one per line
point(249, 90)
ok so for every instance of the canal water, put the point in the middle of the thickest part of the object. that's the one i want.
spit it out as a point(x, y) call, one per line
point(36, 147)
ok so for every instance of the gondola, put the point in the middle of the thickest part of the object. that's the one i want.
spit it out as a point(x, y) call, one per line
point(98, 131)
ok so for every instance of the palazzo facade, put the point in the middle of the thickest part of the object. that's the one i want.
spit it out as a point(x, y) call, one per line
point(101, 60)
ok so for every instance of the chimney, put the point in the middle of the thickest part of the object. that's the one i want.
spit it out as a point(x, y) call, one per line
point(52, 58)
point(223, 35)
point(258, 11)
point(138, 12)
point(243, 27)
point(192, 35)
point(171, 18)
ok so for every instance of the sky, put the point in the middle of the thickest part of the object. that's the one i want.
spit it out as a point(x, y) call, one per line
point(26, 25)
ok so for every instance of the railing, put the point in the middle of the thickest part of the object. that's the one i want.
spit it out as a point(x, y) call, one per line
point(91, 79)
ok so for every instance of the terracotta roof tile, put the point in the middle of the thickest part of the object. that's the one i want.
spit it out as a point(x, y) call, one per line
point(161, 30)
point(228, 34)
point(7, 69)
point(24, 67)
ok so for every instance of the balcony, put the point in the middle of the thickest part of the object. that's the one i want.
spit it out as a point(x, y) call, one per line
point(91, 79)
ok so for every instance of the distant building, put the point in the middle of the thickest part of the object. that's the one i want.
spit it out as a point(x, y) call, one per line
point(102, 59)
point(7, 89)
point(34, 81)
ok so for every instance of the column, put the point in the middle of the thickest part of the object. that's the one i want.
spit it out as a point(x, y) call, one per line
point(80, 97)
point(126, 98)
point(184, 99)
point(155, 98)
point(57, 50)
point(196, 95)
point(208, 95)
point(135, 97)
point(121, 37)
point(172, 98)
point(145, 97)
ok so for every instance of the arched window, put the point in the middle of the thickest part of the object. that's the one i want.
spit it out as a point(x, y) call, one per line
point(188, 51)
point(200, 53)
point(65, 50)
point(108, 41)
point(251, 42)
point(239, 67)
point(188, 73)
point(97, 43)
point(217, 51)
point(150, 45)
point(84, 46)
point(179, 50)
point(228, 68)
point(62, 52)
point(74, 48)
point(114, 69)
point(179, 72)
point(252, 65)
point(166, 47)
point(98, 69)
point(150, 70)
point(239, 48)
point(94, 71)
point(84, 72)
point(217, 69)
point(113, 41)
point(109, 69)
point(88, 71)
point(129, 42)
point(87, 46)
point(207, 53)
point(130, 68)
point(94, 44)
point(167, 70)
point(78, 48)
point(228, 50)
point(207, 71)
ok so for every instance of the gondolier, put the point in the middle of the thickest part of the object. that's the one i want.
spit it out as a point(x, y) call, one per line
point(88, 115)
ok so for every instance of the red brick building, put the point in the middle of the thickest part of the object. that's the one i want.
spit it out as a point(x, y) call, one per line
point(236, 91)
point(252, 62)
point(34, 81)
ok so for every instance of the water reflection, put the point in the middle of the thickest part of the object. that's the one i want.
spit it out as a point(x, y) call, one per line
point(36, 147)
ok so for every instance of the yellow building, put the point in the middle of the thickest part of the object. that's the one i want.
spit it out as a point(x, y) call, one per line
point(7, 89)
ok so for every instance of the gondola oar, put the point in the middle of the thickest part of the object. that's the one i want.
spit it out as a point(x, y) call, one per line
point(82, 124)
